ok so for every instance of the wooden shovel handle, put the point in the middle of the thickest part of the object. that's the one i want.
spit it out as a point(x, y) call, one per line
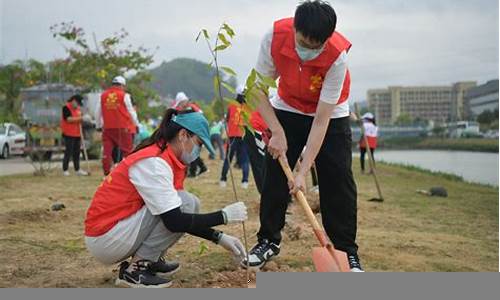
point(318, 231)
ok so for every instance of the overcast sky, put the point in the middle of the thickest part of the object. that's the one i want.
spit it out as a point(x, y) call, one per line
point(395, 42)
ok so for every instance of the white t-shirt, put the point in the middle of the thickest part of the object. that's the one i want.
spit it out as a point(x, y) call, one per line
point(370, 129)
point(154, 180)
point(332, 84)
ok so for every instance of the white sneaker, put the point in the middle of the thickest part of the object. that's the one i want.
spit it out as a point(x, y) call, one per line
point(244, 185)
point(66, 173)
point(222, 184)
point(82, 173)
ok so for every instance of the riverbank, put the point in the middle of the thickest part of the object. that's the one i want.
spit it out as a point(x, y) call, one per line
point(471, 144)
point(408, 232)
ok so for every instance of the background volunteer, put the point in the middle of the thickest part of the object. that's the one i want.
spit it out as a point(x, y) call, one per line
point(141, 208)
point(236, 146)
point(371, 133)
point(71, 121)
point(115, 115)
point(311, 110)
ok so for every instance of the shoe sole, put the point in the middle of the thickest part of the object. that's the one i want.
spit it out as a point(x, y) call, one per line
point(257, 267)
point(124, 283)
point(169, 273)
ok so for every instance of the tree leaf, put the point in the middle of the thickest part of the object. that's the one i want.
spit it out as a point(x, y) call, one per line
point(221, 47)
point(228, 30)
point(229, 71)
point(251, 79)
point(223, 39)
point(216, 88)
point(228, 87)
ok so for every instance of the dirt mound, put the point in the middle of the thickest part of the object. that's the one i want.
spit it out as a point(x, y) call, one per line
point(30, 215)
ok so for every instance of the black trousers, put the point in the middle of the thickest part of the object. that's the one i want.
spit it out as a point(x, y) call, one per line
point(195, 165)
point(337, 189)
point(362, 152)
point(71, 150)
point(257, 153)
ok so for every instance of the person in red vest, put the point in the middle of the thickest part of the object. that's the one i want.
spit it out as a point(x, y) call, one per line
point(371, 133)
point(141, 209)
point(311, 109)
point(71, 120)
point(116, 115)
point(236, 146)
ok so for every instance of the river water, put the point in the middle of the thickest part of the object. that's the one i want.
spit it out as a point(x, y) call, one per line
point(477, 167)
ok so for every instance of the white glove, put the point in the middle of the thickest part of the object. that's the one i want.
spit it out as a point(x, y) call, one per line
point(236, 212)
point(232, 244)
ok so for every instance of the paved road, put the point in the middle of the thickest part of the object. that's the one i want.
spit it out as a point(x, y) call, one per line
point(21, 165)
point(15, 165)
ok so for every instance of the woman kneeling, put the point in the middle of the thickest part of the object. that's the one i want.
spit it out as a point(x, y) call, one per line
point(141, 209)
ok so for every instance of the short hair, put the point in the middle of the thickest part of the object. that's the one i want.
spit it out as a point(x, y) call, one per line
point(316, 20)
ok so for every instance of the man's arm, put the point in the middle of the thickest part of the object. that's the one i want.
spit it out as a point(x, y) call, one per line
point(131, 110)
point(316, 135)
point(98, 115)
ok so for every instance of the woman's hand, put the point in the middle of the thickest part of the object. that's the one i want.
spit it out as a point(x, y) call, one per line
point(232, 244)
point(298, 183)
point(236, 212)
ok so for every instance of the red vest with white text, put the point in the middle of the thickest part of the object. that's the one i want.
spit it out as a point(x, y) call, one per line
point(300, 82)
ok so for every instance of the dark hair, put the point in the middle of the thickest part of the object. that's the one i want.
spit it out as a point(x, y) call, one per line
point(166, 132)
point(315, 20)
point(76, 97)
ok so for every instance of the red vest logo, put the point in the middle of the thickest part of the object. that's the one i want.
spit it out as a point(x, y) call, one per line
point(316, 83)
point(112, 101)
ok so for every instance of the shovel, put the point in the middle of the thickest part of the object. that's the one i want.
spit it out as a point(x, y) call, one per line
point(325, 258)
point(85, 155)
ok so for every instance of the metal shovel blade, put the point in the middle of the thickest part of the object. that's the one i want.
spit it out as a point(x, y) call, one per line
point(324, 262)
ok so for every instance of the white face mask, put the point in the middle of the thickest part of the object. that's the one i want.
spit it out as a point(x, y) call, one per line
point(306, 54)
point(188, 158)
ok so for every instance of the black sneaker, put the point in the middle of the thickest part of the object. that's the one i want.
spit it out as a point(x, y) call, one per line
point(202, 170)
point(164, 268)
point(141, 276)
point(354, 263)
point(261, 254)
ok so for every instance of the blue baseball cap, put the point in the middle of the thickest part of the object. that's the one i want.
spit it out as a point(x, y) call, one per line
point(197, 124)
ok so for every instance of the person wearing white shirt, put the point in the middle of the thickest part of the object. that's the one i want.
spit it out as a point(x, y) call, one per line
point(310, 110)
point(141, 208)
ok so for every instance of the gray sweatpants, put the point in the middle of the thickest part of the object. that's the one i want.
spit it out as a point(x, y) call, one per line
point(141, 234)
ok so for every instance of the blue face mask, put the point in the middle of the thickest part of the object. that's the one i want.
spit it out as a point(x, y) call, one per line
point(188, 158)
point(306, 54)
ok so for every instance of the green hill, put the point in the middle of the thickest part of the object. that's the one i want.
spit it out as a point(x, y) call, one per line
point(191, 76)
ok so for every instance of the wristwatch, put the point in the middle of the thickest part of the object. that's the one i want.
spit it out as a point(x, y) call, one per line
point(216, 236)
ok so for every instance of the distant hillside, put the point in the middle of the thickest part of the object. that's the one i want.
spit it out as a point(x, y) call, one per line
point(191, 76)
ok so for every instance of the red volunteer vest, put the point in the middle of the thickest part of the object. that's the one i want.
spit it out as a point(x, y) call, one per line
point(71, 129)
point(301, 82)
point(258, 122)
point(234, 121)
point(117, 198)
point(114, 111)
